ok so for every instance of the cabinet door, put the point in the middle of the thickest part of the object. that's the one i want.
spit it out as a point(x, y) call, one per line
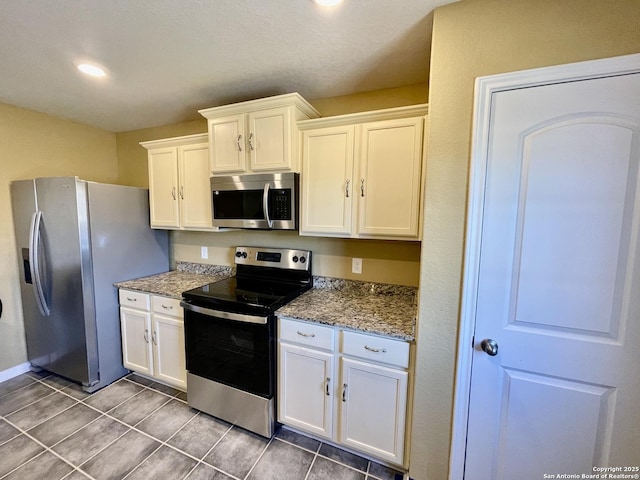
point(169, 355)
point(195, 189)
point(136, 340)
point(306, 389)
point(163, 187)
point(389, 178)
point(227, 145)
point(376, 427)
point(269, 140)
point(327, 181)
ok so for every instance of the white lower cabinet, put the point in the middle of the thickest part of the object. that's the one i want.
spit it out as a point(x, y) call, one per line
point(354, 394)
point(373, 408)
point(152, 329)
point(305, 399)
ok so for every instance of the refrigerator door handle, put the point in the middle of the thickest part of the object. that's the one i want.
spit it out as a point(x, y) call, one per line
point(34, 262)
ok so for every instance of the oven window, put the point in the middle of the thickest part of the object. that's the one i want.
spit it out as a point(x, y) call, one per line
point(237, 354)
point(248, 204)
point(238, 204)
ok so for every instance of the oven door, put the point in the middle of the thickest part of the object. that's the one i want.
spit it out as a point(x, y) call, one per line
point(267, 201)
point(233, 349)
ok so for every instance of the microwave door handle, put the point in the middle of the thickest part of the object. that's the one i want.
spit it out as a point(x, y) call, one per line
point(265, 205)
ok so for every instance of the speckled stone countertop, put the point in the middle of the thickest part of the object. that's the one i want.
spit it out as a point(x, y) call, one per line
point(185, 277)
point(377, 308)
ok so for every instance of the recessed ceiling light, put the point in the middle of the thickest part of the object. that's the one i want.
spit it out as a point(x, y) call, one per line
point(328, 3)
point(92, 70)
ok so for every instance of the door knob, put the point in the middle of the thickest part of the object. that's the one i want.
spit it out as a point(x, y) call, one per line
point(489, 346)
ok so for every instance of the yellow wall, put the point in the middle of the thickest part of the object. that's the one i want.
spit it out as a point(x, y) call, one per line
point(38, 145)
point(132, 158)
point(473, 38)
point(383, 261)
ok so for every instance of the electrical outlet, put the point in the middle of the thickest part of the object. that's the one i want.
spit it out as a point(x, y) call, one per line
point(204, 252)
point(356, 265)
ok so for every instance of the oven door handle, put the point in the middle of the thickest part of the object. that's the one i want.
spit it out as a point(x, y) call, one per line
point(237, 317)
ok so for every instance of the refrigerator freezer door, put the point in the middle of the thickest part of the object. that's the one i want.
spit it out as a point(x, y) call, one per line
point(37, 326)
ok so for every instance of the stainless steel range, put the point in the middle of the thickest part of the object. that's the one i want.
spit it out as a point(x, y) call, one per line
point(230, 335)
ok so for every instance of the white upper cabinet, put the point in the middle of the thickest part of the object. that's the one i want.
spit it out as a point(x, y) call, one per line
point(389, 177)
point(256, 136)
point(327, 181)
point(227, 144)
point(362, 174)
point(179, 188)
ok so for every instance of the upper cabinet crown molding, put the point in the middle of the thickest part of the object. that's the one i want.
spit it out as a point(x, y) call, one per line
point(417, 110)
point(285, 100)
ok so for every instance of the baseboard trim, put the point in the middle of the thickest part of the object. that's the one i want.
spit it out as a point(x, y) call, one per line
point(14, 371)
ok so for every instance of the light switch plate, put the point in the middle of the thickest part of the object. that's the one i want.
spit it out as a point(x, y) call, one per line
point(356, 265)
point(204, 252)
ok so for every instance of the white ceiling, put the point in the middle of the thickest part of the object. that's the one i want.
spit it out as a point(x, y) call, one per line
point(168, 58)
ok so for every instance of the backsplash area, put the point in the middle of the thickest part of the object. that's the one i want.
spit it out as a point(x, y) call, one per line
point(392, 262)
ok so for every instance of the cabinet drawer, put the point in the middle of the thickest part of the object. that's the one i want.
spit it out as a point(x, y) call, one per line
point(167, 306)
point(129, 298)
point(306, 333)
point(374, 348)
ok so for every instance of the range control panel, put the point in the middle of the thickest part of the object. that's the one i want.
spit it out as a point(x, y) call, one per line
point(273, 257)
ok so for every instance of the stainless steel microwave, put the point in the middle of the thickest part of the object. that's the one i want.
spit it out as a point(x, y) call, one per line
point(262, 201)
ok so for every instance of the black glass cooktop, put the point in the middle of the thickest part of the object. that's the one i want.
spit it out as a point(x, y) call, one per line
point(245, 295)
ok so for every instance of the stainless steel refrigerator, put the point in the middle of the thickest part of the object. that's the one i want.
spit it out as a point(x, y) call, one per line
point(75, 239)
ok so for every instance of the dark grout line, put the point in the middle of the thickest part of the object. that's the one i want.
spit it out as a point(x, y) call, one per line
point(107, 414)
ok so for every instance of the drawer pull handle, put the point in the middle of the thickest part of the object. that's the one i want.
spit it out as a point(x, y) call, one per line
point(308, 335)
point(132, 299)
point(327, 386)
point(153, 338)
point(375, 350)
point(165, 307)
point(146, 335)
point(344, 392)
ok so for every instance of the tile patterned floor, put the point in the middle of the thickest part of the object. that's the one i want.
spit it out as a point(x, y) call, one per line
point(137, 429)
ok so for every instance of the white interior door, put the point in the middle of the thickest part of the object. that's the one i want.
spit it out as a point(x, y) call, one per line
point(558, 283)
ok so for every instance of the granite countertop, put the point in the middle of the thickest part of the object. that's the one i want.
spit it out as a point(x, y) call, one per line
point(376, 308)
point(185, 277)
